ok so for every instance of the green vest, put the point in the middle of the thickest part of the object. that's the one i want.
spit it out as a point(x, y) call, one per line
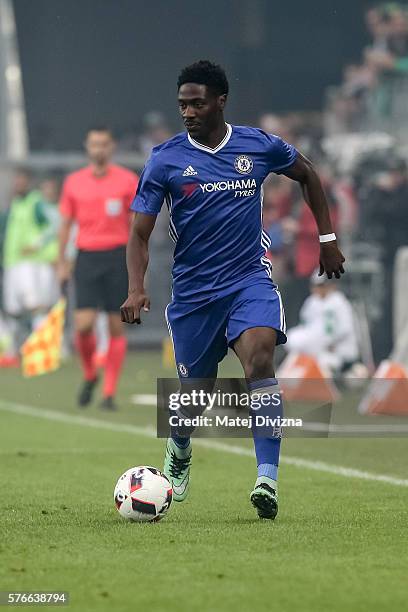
point(25, 228)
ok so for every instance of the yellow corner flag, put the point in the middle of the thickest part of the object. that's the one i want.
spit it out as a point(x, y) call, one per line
point(41, 352)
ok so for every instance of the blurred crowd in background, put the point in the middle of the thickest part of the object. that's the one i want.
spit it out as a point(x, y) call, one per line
point(359, 146)
point(368, 86)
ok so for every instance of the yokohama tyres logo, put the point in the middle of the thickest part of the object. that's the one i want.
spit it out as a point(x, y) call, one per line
point(242, 187)
point(241, 184)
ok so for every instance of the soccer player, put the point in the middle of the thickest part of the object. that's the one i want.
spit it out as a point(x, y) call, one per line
point(97, 198)
point(223, 294)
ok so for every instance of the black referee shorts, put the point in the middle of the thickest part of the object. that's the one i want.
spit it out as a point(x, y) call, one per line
point(101, 280)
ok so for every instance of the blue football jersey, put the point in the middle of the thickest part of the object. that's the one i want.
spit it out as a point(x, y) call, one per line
point(214, 199)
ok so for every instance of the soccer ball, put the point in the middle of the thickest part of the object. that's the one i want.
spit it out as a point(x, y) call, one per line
point(143, 494)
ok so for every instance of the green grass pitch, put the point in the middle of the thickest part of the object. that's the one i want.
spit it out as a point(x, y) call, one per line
point(338, 543)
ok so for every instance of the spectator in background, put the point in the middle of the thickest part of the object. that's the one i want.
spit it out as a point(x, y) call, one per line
point(302, 129)
point(129, 140)
point(389, 51)
point(349, 102)
point(326, 329)
point(275, 124)
point(384, 219)
point(29, 255)
point(49, 189)
point(378, 26)
point(357, 79)
point(385, 207)
point(398, 38)
point(364, 91)
point(155, 132)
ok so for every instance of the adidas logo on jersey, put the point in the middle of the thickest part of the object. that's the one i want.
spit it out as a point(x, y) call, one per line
point(189, 171)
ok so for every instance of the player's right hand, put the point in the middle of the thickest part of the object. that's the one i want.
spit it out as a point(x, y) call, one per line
point(130, 309)
point(64, 271)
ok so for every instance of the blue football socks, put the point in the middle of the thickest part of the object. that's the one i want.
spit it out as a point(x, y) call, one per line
point(266, 401)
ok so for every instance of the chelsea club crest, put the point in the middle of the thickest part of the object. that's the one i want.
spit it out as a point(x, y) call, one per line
point(243, 164)
point(182, 369)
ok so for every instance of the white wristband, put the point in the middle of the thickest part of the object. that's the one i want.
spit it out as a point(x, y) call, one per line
point(327, 237)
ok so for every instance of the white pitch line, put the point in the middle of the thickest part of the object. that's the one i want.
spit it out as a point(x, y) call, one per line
point(28, 451)
point(144, 399)
point(149, 432)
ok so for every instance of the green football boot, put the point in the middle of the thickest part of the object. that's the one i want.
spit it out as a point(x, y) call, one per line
point(264, 497)
point(177, 469)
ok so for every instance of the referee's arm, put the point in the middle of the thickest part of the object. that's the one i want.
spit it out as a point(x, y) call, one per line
point(137, 258)
point(67, 209)
point(64, 267)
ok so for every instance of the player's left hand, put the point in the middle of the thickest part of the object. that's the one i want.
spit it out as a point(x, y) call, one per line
point(331, 259)
point(130, 309)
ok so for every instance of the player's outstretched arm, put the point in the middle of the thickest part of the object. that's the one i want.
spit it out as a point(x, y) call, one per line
point(302, 171)
point(137, 258)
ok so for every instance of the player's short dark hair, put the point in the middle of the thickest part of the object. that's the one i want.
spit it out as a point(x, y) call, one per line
point(100, 127)
point(206, 73)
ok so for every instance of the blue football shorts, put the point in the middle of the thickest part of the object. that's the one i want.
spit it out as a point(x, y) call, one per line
point(201, 332)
